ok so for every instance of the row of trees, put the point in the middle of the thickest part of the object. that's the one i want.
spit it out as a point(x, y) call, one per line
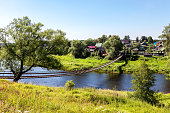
point(104, 38)
point(112, 44)
point(145, 39)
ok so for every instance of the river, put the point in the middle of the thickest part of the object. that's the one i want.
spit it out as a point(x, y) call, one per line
point(96, 80)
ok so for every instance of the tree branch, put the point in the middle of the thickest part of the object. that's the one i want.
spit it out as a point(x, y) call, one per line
point(12, 70)
point(28, 69)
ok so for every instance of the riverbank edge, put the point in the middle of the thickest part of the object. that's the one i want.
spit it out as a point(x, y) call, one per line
point(33, 98)
point(124, 72)
point(155, 64)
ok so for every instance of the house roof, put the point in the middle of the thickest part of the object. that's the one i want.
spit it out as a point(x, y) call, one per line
point(155, 43)
point(91, 47)
point(125, 41)
point(98, 45)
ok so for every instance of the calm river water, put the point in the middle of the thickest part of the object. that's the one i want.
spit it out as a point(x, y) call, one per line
point(96, 80)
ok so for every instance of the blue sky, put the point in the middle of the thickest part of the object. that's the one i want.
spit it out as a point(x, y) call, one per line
point(83, 19)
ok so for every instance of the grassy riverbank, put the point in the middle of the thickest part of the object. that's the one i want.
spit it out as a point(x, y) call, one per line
point(72, 64)
point(17, 97)
point(157, 64)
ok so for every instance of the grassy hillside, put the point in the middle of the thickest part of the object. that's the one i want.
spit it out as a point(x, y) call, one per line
point(17, 97)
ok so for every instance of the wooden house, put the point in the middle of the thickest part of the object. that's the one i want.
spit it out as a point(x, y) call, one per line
point(99, 47)
point(135, 51)
point(91, 48)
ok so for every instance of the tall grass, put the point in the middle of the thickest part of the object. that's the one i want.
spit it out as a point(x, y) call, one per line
point(17, 97)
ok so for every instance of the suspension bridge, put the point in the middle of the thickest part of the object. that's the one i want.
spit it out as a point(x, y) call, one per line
point(58, 74)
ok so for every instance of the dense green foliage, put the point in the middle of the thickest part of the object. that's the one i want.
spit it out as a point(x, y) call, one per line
point(137, 39)
point(150, 40)
point(113, 46)
point(30, 46)
point(102, 39)
point(143, 38)
point(16, 97)
point(143, 80)
point(78, 49)
point(89, 42)
point(166, 35)
point(126, 38)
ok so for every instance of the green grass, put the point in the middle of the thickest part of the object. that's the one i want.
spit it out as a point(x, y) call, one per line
point(17, 97)
point(157, 64)
point(72, 64)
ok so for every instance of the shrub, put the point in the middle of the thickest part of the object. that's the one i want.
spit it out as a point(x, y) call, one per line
point(69, 85)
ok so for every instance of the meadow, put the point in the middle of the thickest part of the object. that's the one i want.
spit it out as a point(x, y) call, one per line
point(156, 64)
point(27, 98)
point(72, 64)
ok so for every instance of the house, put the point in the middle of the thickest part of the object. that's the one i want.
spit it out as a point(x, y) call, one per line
point(141, 52)
point(155, 43)
point(135, 51)
point(91, 48)
point(99, 47)
point(125, 42)
point(158, 54)
point(146, 54)
point(133, 41)
point(158, 47)
point(159, 43)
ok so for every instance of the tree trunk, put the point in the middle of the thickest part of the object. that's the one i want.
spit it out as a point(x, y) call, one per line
point(16, 78)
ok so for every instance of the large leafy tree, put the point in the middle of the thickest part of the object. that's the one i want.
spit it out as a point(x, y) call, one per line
point(143, 38)
point(29, 46)
point(166, 36)
point(127, 37)
point(78, 49)
point(102, 39)
point(143, 80)
point(113, 46)
point(150, 40)
point(89, 42)
point(137, 39)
